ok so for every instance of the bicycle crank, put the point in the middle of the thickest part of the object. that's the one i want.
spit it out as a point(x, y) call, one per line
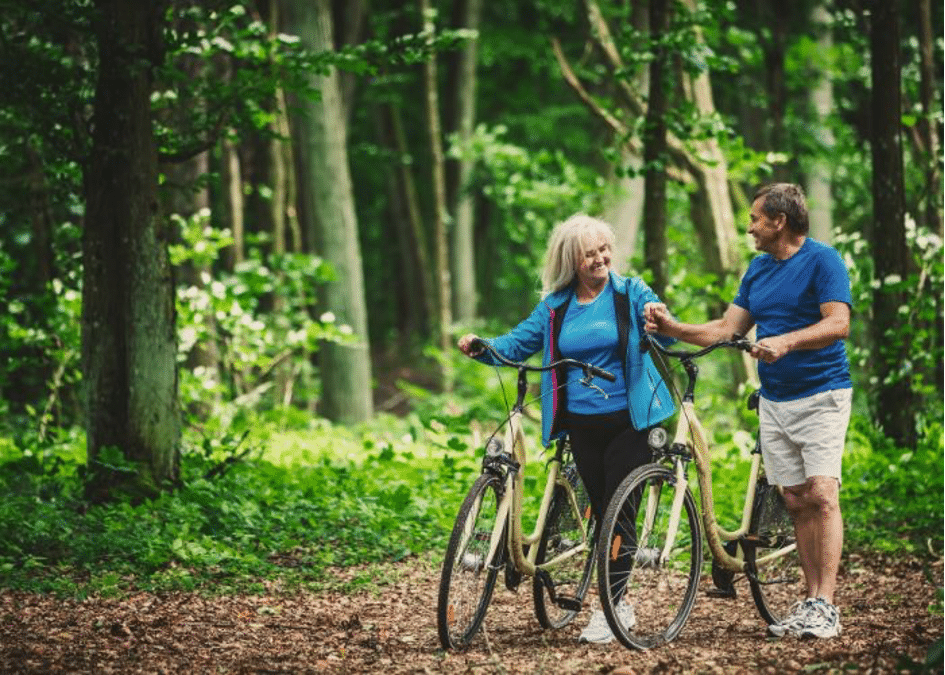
point(565, 602)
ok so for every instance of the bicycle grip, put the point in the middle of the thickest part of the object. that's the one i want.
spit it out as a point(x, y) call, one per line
point(597, 372)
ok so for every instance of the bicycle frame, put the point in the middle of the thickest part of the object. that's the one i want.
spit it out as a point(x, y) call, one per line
point(689, 427)
point(509, 511)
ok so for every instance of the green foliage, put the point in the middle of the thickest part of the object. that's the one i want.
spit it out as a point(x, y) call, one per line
point(892, 497)
point(914, 344)
point(225, 528)
point(229, 315)
point(530, 191)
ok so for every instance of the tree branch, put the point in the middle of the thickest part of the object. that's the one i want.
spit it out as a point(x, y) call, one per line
point(605, 42)
point(612, 121)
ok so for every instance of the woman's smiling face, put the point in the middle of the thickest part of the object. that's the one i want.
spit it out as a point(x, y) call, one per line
point(594, 264)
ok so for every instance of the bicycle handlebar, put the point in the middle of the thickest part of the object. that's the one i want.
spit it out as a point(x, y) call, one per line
point(588, 369)
point(737, 342)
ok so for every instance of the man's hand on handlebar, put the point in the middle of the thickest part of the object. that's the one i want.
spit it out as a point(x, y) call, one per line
point(470, 345)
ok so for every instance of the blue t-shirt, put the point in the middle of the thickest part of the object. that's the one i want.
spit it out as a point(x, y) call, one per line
point(589, 334)
point(785, 295)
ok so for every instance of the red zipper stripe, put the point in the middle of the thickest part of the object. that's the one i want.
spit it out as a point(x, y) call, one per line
point(554, 371)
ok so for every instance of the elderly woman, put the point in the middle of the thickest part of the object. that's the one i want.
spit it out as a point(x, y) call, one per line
point(590, 313)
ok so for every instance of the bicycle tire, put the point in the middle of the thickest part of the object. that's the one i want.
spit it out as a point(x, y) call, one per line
point(661, 594)
point(777, 585)
point(562, 531)
point(465, 585)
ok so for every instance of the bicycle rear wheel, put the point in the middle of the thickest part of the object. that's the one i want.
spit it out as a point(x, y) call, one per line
point(466, 583)
point(563, 531)
point(661, 590)
point(777, 584)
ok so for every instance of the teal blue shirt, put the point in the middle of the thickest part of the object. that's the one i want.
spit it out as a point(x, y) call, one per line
point(589, 334)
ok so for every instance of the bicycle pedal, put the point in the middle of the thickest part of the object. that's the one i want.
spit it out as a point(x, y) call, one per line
point(568, 603)
point(722, 592)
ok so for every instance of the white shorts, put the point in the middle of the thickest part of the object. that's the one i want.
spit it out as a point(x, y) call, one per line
point(805, 437)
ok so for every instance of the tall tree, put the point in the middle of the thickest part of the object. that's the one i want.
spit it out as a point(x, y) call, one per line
point(464, 91)
point(128, 337)
point(654, 152)
point(894, 396)
point(928, 127)
point(440, 235)
point(327, 197)
point(819, 172)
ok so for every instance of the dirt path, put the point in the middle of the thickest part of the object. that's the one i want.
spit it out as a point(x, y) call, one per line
point(886, 622)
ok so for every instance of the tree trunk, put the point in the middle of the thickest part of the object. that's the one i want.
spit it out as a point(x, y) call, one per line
point(928, 128)
point(440, 236)
point(413, 311)
point(128, 339)
point(819, 183)
point(654, 154)
point(625, 211)
point(776, 14)
point(893, 396)
point(712, 176)
point(231, 194)
point(326, 191)
point(464, 263)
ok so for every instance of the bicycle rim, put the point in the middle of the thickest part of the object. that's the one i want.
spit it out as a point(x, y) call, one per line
point(778, 584)
point(660, 590)
point(572, 577)
point(466, 583)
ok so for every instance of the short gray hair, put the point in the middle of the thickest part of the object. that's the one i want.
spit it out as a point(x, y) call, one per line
point(786, 198)
point(569, 240)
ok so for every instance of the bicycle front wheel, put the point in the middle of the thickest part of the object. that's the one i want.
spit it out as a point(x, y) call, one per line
point(564, 530)
point(647, 575)
point(466, 581)
point(778, 581)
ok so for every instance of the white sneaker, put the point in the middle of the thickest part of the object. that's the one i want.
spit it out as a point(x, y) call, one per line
point(598, 630)
point(823, 621)
point(794, 621)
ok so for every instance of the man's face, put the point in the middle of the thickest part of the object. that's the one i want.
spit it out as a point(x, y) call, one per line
point(765, 231)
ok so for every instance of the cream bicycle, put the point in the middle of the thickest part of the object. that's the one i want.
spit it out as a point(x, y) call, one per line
point(488, 534)
point(650, 552)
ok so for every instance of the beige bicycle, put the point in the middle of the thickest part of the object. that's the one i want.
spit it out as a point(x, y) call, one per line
point(488, 533)
point(651, 539)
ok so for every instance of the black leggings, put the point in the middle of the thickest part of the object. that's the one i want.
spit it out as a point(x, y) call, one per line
point(606, 448)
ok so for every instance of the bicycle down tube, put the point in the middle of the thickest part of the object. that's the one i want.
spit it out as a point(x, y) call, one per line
point(510, 507)
point(689, 427)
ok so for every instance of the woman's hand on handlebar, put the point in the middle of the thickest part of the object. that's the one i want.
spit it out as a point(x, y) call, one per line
point(470, 344)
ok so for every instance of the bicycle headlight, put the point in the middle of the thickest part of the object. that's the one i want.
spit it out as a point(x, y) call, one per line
point(658, 438)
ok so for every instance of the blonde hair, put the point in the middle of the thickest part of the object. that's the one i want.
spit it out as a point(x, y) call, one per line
point(569, 240)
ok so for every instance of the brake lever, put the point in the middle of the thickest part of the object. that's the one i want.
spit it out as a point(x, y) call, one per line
point(586, 381)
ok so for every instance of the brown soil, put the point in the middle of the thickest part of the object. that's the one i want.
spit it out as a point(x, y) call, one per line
point(887, 624)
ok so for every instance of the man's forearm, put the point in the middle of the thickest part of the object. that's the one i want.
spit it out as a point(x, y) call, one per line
point(821, 334)
point(702, 334)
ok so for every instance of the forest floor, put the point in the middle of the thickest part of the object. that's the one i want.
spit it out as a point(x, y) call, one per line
point(391, 628)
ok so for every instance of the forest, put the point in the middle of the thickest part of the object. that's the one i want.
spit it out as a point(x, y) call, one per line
point(240, 238)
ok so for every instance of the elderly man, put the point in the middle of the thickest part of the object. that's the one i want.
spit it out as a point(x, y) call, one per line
point(797, 293)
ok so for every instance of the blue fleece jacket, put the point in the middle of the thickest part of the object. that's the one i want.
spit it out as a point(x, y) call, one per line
point(648, 398)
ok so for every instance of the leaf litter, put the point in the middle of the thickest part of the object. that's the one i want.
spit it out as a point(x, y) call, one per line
point(890, 608)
